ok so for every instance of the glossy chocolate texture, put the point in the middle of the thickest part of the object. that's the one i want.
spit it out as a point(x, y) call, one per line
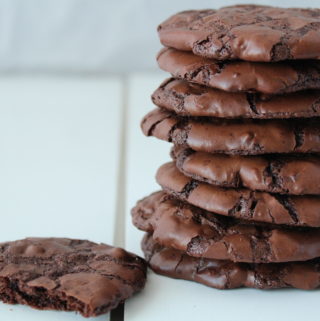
point(200, 233)
point(246, 32)
point(223, 274)
point(234, 76)
point(241, 203)
point(188, 99)
point(284, 174)
point(234, 137)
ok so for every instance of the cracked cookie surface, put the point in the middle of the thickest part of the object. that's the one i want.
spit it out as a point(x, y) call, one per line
point(234, 76)
point(234, 137)
point(188, 99)
point(222, 274)
point(285, 174)
point(241, 203)
point(200, 233)
point(69, 275)
point(246, 32)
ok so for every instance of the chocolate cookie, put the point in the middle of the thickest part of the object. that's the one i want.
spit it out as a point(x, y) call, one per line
point(247, 32)
point(268, 78)
point(188, 99)
point(68, 275)
point(235, 137)
point(200, 233)
point(241, 203)
point(228, 275)
point(297, 175)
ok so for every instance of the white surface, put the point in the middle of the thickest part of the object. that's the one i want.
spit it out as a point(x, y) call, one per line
point(22, 313)
point(59, 140)
point(59, 146)
point(92, 35)
point(169, 299)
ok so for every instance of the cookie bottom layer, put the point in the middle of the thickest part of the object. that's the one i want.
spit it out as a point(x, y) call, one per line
point(228, 275)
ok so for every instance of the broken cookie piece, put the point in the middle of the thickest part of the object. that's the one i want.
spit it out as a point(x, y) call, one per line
point(68, 275)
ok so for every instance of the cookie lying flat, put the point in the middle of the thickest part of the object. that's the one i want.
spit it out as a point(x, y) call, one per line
point(228, 275)
point(268, 78)
point(241, 203)
point(188, 99)
point(297, 175)
point(69, 275)
point(200, 233)
point(247, 32)
point(235, 137)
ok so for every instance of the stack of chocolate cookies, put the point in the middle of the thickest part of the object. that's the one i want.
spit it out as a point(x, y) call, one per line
point(240, 202)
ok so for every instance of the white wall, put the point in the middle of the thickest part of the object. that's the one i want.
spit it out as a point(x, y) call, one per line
point(91, 35)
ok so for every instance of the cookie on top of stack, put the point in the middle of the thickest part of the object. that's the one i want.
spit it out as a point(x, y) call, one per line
point(240, 202)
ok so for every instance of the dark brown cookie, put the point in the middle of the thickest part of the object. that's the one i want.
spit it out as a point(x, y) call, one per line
point(296, 175)
point(200, 233)
point(241, 203)
point(69, 275)
point(233, 76)
point(247, 32)
point(188, 99)
point(235, 137)
point(228, 275)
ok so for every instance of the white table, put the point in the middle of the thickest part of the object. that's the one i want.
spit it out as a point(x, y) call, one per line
point(74, 162)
